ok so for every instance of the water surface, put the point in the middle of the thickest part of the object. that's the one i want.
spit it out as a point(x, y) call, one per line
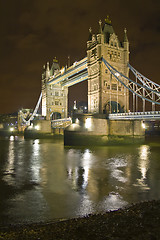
point(41, 180)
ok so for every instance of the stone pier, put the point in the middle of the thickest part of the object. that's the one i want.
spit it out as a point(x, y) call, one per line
point(98, 130)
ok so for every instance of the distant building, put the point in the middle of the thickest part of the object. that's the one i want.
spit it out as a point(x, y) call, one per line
point(9, 120)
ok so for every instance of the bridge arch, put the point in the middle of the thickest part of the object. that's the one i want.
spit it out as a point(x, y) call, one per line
point(113, 107)
point(55, 115)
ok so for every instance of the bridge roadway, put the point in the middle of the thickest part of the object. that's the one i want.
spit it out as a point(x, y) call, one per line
point(78, 72)
point(154, 115)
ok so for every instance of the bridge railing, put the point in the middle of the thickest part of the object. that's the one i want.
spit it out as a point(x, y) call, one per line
point(135, 115)
point(61, 123)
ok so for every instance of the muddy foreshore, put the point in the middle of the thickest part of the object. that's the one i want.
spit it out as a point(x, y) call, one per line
point(138, 221)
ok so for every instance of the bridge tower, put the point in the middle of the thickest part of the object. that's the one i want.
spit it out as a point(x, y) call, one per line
point(105, 94)
point(54, 97)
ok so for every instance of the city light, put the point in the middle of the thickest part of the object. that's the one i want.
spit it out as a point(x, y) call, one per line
point(88, 123)
point(11, 129)
point(37, 127)
point(77, 121)
point(143, 125)
point(117, 74)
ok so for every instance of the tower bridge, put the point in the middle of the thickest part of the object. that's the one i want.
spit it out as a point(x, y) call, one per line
point(104, 91)
point(106, 69)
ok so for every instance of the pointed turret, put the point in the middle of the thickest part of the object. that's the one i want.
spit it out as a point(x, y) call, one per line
point(107, 29)
point(100, 26)
point(125, 36)
point(55, 66)
point(47, 71)
point(90, 34)
point(125, 41)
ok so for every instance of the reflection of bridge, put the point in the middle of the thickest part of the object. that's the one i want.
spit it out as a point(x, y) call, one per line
point(106, 68)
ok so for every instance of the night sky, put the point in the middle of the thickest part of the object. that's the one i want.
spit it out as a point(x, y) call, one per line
point(35, 31)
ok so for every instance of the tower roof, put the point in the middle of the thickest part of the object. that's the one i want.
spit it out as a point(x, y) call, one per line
point(107, 29)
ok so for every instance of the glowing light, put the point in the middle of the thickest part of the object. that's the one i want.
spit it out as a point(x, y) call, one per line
point(117, 74)
point(11, 138)
point(88, 123)
point(77, 121)
point(74, 64)
point(37, 127)
point(62, 70)
point(11, 129)
point(143, 125)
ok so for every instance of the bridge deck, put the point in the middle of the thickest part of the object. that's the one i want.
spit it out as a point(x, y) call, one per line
point(154, 115)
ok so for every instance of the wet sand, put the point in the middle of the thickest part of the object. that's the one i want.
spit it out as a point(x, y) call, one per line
point(139, 221)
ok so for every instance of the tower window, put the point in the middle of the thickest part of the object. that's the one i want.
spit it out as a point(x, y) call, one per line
point(56, 93)
point(56, 102)
point(119, 88)
point(114, 86)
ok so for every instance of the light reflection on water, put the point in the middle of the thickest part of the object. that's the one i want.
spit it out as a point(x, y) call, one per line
point(42, 180)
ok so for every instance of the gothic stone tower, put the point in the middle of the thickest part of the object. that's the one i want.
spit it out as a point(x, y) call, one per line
point(105, 93)
point(54, 97)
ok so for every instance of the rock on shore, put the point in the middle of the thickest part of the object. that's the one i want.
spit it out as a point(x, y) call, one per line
point(139, 221)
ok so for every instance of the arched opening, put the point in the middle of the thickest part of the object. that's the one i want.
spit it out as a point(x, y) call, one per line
point(113, 107)
point(55, 115)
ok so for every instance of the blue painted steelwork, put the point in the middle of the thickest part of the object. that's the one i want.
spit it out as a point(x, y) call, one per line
point(112, 69)
point(77, 65)
point(137, 74)
point(80, 78)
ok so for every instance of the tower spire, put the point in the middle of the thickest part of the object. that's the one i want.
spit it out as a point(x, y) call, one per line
point(107, 20)
point(90, 34)
point(125, 36)
point(100, 26)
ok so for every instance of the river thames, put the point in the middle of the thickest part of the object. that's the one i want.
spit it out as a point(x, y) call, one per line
point(41, 180)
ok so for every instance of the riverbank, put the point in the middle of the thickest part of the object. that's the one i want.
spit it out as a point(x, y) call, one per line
point(140, 221)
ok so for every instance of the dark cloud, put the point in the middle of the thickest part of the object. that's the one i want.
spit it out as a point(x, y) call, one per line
point(35, 31)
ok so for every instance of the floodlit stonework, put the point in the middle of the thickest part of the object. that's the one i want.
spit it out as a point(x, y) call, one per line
point(54, 97)
point(103, 88)
point(105, 93)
